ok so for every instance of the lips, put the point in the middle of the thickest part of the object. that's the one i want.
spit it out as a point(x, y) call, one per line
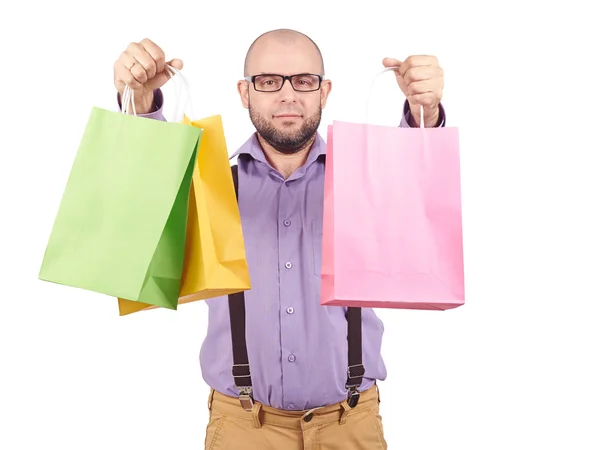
point(283, 116)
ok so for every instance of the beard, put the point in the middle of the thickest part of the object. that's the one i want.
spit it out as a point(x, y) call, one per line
point(290, 141)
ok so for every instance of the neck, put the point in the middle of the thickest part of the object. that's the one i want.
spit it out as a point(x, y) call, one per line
point(286, 164)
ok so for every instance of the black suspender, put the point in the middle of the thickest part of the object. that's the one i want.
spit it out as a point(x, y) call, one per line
point(241, 366)
point(356, 370)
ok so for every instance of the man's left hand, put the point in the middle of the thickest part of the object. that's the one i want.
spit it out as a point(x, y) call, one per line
point(422, 81)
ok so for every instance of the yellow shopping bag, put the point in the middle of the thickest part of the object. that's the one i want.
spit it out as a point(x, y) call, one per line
point(215, 256)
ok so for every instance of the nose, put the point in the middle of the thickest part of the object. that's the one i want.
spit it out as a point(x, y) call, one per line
point(287, 92)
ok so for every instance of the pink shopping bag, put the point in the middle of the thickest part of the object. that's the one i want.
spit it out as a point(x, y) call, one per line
point(392, 221)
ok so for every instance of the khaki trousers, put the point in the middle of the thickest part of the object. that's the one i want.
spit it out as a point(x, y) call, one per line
point(334, 427)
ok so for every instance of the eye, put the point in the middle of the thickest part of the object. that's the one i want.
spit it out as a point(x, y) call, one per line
point(267, 81)
point(306, 81)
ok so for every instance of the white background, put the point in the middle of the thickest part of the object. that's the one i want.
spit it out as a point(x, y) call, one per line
point(516, 367)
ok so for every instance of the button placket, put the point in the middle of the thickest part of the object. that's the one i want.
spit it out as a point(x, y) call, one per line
point(288, 278)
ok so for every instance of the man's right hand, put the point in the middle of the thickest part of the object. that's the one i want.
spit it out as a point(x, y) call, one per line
point(142, 67)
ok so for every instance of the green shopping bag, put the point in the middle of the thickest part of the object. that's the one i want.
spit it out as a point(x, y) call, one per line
point(121, 225)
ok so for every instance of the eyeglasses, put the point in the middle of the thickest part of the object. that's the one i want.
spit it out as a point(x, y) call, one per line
point(303, 82)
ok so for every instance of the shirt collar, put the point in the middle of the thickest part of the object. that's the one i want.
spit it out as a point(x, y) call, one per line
point(252, 147)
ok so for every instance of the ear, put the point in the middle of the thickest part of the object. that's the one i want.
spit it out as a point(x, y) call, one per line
point(243, 87)
point(325, 90)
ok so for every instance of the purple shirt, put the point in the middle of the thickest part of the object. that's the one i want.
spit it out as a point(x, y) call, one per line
point(297, 349)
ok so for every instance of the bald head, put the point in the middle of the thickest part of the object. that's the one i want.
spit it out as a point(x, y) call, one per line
point(298, 43)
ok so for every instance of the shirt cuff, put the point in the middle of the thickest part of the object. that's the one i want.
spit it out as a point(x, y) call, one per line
point(157, 107)
point(407, 116)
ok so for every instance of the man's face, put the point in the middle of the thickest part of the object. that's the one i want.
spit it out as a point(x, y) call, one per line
point(287, 119)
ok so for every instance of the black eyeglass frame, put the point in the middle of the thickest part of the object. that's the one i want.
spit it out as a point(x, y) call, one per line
point(284, 77)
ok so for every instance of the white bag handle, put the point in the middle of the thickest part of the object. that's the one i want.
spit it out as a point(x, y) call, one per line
point(128, 103)
point(422, 125)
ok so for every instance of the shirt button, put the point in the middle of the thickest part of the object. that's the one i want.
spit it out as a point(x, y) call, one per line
point(288, 265)
point(291, 358)
point(287, 223)
point(290, 310)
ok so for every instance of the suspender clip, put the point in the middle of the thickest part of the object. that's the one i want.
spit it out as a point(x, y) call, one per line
point(246, 399)
point(353, 396)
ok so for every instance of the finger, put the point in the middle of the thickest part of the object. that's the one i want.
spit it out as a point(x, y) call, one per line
point(166, 74)
point(177, 63)
point(123, 75)
point(421, 60)
point(134, 53)
point(135, 68)
point(420, 73)
point(139, 72)
point(156, 53)
point(419, 87)
point(391, 62)
point(145, 67)
point(428, 99)
point(146, 64)
point(417, 61)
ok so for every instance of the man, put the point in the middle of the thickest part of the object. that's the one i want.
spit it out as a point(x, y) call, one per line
point(297, 349)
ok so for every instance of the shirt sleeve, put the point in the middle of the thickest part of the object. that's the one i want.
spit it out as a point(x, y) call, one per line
point(157, 108)
point(405, 122)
